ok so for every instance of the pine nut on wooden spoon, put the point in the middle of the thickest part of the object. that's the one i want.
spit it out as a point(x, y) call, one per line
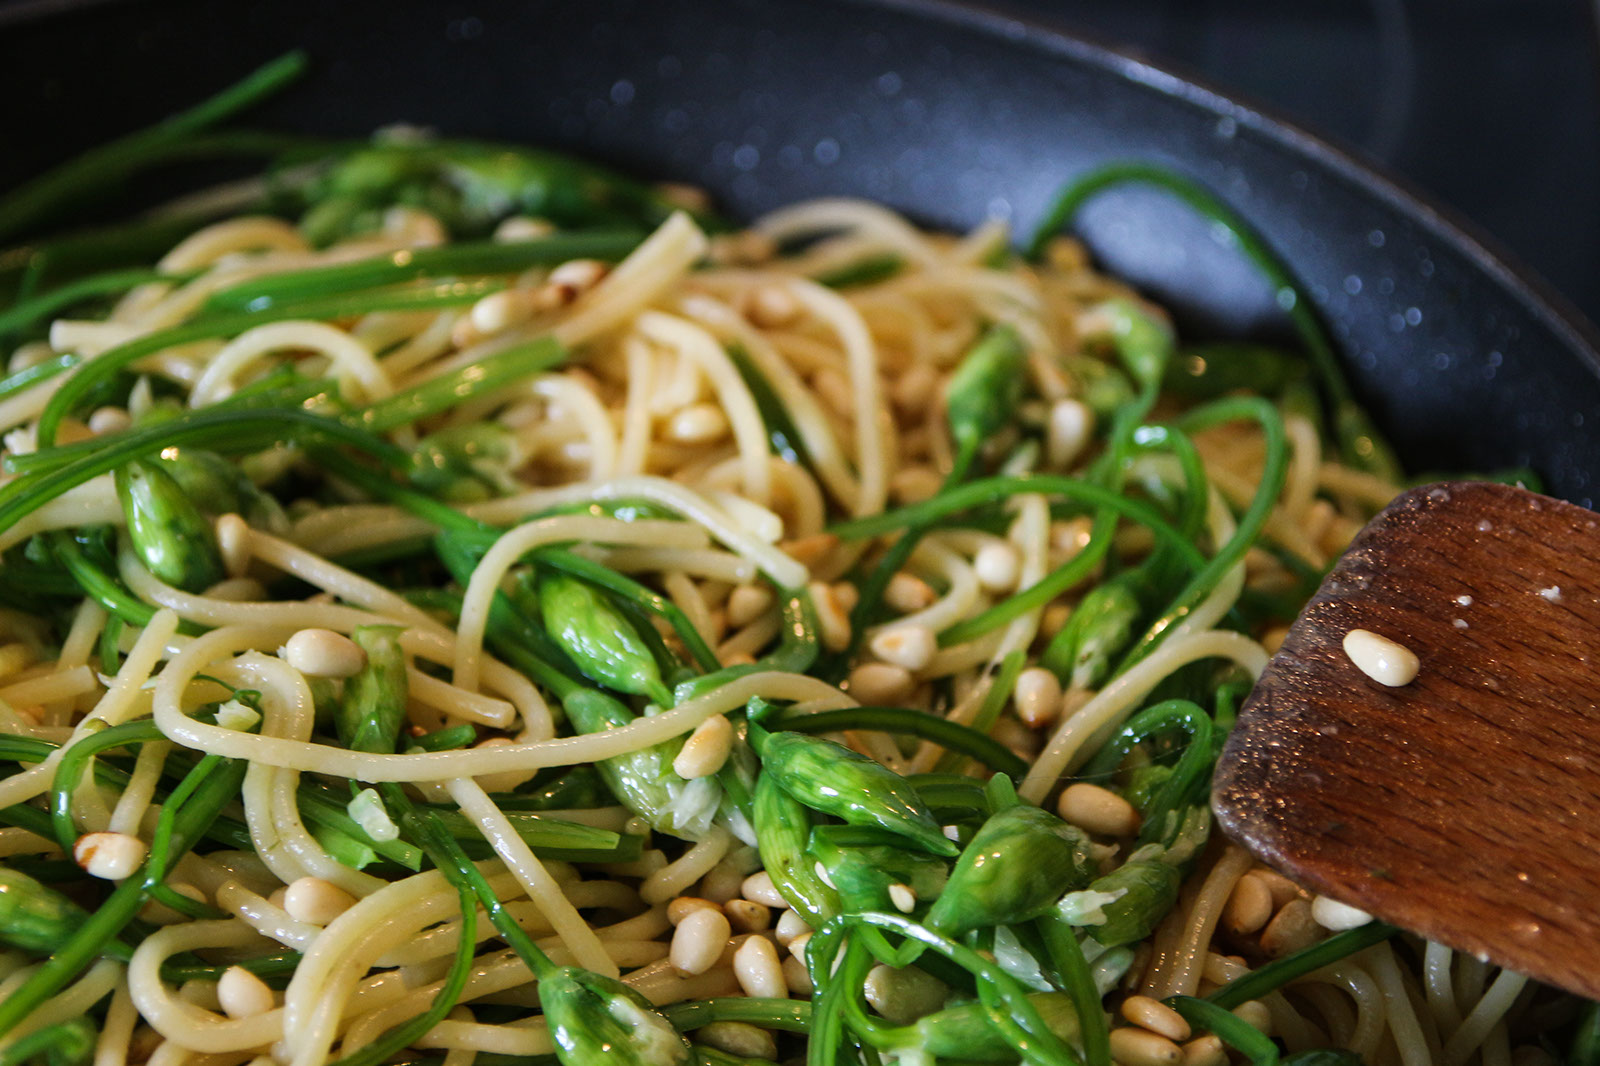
point(1463, 803)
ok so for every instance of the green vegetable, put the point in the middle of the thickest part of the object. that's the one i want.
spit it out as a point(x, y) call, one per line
point(216, 486)
point(600, 640)
point(63, 1044)
point(373, 706)
point(967, 1032)
point(981, 397)
point(863, 864)
point(599, 1019)
point(1233, 1030)
point(1015, 867)
point(1144, 890)
point(465, 464)
point(1099, 628)
point(783, 828)
point(831, 778)
point(1210, 371)
point(35, 917)
point(169, 534)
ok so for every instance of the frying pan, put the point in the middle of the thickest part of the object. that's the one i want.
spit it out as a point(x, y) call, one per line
point(946, 113)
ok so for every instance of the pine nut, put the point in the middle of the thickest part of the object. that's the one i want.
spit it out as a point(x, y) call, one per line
point(747, 603)
point(745, 248)
point(721, 884)
point(523, 228)
point(908, 592)
point(577, 276)
point(1053, 620)
point(1283, 890)
point(706, 750)
point(1141, 1047)
point(698, 423)
point(903, 897)
point(1335, 916)
point(1255, 1013)
point(1098, 810)
point(790, 925)
point(798, 978)
point(904, 994)
point(201, 993)
point(809, 551)
point(317, 901)
point(846, 595)
point(1291, 929)
point(1036, 697)
point(997, 566)
point(910, 647)
point(757, 969)
point(324, 653)
point(1071, 425)
point(699, 941)
point(758, 888)
point(499, 311)
point(233, 542)
point(112, 856)
point(1155, 1016)
point(1070, 537)
point(683, 906)
point(747, 916)
point(879, 684)
point(1205, 1051)
point(108, 419)
point(242, 994)
point(797, 946)
point(1249, 907)
point(833, 620)
point(770, 306)
point(739, 1038)
point(1385, 661)
point(1220, 969)
point(913, 484)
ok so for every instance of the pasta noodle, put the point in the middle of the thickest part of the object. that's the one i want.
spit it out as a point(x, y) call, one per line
point(563, 534)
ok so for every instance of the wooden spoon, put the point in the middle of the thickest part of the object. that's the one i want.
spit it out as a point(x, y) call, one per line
point(1464, 805)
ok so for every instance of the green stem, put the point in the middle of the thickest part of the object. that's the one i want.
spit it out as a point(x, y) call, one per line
point(439, 394)
point(789, 1015)
point(29, 311)
point(1067, 953)
point(69, 771)
point(1229, 1027)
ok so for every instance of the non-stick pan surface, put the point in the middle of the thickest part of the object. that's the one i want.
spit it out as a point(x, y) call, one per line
point(945, 113)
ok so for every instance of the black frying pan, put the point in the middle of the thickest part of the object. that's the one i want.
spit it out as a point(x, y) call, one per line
point(946, 113)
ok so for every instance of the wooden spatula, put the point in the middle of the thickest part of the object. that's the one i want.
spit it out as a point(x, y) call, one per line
point(1464, 805)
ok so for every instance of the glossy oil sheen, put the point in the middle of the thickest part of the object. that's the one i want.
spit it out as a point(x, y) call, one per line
point(944, 113)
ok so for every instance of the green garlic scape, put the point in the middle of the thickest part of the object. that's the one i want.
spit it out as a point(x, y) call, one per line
point(168, 533)
point(831, 778)
point(964, 1032)
point(597, 1019)
point(1014, 869)
point(373, 706)
point(34, 916)
point(983, 393)
point(599, 638)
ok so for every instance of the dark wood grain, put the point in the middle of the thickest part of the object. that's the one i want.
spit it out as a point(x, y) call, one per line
point(1466, 805)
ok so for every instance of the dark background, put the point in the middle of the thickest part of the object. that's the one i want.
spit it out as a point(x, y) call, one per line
point(1488, 108)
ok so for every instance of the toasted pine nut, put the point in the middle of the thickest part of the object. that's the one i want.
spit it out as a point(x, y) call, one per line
point(315, 900)
point(699, 941)
point(1036, 697)
point(833, 388)
point(1071, 424)
point(997, 566)
point(748, 917)
point(324, 653)
point(683, 906)
point(798, 977)
point(112, 856)
point(758, 888)
point(1283, 890)
point(747, 603)
point(904, 994)
point(1255, 1013)
point(833, 619)
point(757, 969)
point(1205, 1051)
point(770, 306)
point(1291, 929)
point(1098, 810)
point(1249, 907)
point(577, 275)
point(809, 550)
point(913, 390)
point(499, 311)
point(913, 484)
point(1220, 969)
point(880, 683)
point(242, 994)
point(1141, 1047)
point(698, 423)
point(1333, 915)
point(706, 750)
point(1155, 1016)
point(233, 542)
point(908, 592)
point(790, 925)
point(909, 646)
